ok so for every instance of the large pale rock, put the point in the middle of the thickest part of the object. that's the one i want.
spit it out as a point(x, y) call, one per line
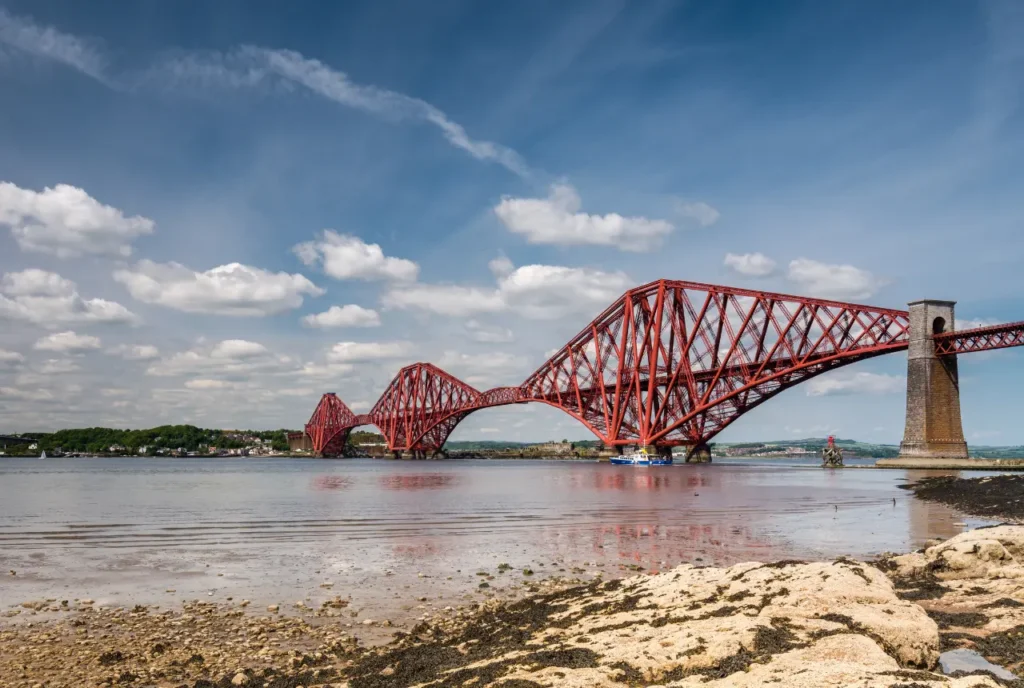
point(739, 626)
point(978, 572)
point(841, 660)
point(976, 554)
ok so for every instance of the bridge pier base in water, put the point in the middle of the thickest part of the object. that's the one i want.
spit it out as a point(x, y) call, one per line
point(933, 429)
point(699, 454)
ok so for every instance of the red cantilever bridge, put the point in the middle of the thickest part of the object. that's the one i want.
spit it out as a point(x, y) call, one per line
point(670, 363)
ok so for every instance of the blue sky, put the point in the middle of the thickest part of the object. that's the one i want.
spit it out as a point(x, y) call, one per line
point(470, 183)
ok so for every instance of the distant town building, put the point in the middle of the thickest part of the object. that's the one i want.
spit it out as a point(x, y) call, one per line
point(555, 448)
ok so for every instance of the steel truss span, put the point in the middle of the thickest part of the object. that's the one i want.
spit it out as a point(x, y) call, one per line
point(980, 339)
point(669, 363)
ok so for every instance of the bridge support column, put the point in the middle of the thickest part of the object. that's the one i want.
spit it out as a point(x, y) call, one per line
point(933, 428)
point(699, 454)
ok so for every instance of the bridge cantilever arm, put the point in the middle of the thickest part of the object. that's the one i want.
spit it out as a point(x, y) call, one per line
point(980, 339)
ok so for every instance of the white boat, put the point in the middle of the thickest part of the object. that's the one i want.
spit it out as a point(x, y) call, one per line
point(642, 458)
point(43, 455)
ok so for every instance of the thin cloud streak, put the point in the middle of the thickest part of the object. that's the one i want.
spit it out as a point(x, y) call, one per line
point(257, 67)
point(24, 35)
point(252, 66)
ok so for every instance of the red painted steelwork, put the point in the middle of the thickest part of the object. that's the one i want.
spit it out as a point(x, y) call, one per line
point(980, 339)
point(330, 425)
point(673, 363)
point(422, 406)
point(669, 363)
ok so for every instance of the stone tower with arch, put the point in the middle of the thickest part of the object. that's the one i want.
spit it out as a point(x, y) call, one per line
point(934, 428)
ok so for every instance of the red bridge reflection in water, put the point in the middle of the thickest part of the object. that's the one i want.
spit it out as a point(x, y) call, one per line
point(420, 481)
point(331, 482)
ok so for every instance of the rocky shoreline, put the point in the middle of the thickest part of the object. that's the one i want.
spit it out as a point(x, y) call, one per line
point(786, 623)
point(996, 496)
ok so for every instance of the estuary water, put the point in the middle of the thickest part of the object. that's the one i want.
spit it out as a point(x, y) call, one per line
point(128, 531)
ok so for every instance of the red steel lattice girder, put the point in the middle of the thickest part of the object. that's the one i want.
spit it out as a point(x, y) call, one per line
point(673, 363)
point(330, 424)
point(980, 339)
point(669, 363)
point(421, 407)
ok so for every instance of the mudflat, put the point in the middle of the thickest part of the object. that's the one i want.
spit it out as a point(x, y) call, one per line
point(791, 623)
point(995, 496)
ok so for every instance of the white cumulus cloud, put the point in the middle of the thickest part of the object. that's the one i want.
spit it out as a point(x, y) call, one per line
point(47, 299)
point(348, 257)
point(750, 264)
point(487, 369)
point(704, 214)
point(854, 383)
point(10, 359)
point(557, 220)
point(203, 384)
point(444, 299)
point(231, 357)
point(501, 266)
point(33, 282)
point(326, 371)
point(548, 292)
point(232, 289)
point(66, 222)
point(67, 342)
point(540, 292)
point(138, 352)
point(349, 315)
point(488, 334)
point(349, 352)
point(238, 349)
point(58, 366)
point(833, 281)
point(26, 394)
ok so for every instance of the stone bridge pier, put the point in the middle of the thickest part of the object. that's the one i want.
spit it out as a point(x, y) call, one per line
point(933, 429)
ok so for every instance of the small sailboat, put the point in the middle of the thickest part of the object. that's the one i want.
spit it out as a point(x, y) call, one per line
point(642, 458)
point(43, 455)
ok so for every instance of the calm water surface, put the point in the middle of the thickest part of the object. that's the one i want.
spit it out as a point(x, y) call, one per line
point(127, 531)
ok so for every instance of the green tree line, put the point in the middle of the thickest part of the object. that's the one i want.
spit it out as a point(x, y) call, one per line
point(169, 437)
